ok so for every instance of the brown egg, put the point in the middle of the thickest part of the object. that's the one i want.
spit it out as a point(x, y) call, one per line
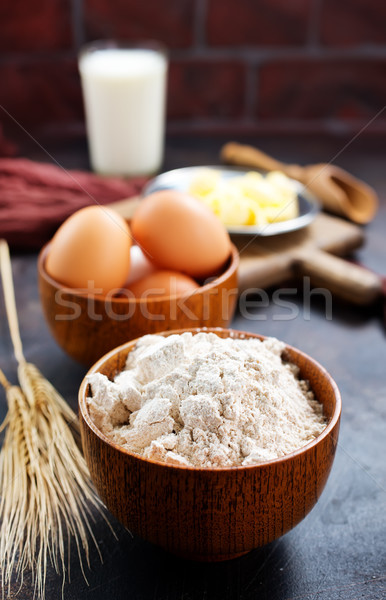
point(140, 266)
point(93, 245)
point(163, 283)
point(180, 233)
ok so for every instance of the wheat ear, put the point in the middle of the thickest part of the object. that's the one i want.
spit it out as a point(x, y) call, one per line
point(47, 496)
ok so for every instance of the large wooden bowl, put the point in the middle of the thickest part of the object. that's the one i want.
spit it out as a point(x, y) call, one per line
point(88, 326)
point(211, 513)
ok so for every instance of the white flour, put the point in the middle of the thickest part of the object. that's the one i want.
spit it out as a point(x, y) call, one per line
point(205, 401)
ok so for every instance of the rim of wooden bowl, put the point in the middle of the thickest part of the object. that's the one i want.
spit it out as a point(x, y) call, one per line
point(231, 333)
point(232, 266)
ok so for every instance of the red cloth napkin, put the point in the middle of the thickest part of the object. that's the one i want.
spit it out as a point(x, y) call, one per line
point(35, 198)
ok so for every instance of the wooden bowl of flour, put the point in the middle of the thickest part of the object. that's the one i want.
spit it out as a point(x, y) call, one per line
point(211, 514)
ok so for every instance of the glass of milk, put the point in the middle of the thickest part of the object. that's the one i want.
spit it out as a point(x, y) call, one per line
point(124, 91)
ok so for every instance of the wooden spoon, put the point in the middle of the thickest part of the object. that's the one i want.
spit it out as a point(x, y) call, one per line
point(337, 190)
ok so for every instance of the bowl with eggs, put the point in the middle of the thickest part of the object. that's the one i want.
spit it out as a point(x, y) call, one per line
point(104, 281)
point(209, 442)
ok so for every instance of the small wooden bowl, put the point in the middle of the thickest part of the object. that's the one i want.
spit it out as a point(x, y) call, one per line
point(88, 326)
point(211, 514)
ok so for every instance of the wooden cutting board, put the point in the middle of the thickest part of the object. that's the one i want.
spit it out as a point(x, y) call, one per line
point(313, 251)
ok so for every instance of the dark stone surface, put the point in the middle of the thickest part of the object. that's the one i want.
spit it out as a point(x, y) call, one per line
point(339, 550)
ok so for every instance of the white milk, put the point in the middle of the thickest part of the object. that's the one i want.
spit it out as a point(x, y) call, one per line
point(124, 96)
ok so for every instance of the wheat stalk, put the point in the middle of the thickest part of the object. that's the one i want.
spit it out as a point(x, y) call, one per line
point(47, 496)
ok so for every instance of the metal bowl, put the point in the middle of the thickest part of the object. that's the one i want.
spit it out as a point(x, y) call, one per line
point(180, 179)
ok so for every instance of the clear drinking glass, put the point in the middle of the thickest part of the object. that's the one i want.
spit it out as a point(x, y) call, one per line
point(124, 92)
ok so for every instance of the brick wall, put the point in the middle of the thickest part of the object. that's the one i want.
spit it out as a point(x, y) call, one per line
point(237, 66)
